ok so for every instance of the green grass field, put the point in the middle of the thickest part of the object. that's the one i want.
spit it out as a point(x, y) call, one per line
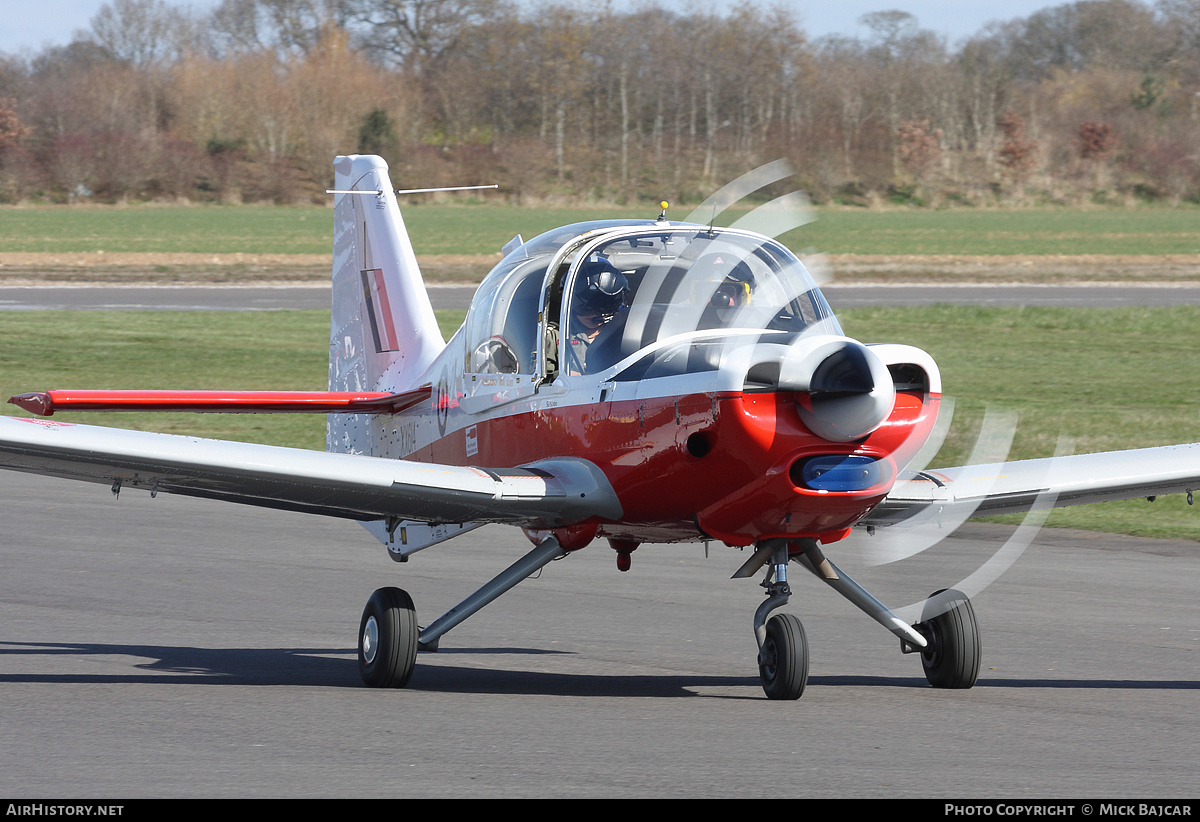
point(277, 350)
point(483, 229)
point(1110, 378)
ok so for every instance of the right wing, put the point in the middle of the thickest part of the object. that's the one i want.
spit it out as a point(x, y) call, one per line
point(548, 493)
point(1014, 487)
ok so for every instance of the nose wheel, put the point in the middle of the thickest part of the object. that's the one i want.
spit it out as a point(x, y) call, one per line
point(783, 658)
point(387, 639)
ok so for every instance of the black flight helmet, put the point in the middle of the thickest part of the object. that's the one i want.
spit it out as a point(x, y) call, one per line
point(734, 278)
point(601, 290)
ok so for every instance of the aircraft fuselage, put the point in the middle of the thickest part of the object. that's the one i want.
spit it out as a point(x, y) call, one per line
point(726, 465)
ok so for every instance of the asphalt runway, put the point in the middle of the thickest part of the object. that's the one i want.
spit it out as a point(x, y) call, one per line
point(256, 298)
point(172, 647)
point(176, 647)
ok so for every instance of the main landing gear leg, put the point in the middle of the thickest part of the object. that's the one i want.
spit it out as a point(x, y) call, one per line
point(814, 560)
point(388, 636)
point(542, 554)
point(947, 638)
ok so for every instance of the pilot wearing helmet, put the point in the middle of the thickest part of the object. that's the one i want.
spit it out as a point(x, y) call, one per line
point(600, 295)
point(732, 284)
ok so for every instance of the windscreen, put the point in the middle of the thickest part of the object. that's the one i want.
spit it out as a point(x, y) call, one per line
point(682, 295)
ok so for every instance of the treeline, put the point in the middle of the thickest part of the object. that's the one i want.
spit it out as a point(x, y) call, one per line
point(1090, 101)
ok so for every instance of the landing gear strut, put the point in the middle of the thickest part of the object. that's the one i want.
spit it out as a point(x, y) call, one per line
point(389, 637)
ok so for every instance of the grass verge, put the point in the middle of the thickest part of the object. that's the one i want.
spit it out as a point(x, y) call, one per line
point(453, 229)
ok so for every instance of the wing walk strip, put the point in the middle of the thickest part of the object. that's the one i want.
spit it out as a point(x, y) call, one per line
point(542, 494)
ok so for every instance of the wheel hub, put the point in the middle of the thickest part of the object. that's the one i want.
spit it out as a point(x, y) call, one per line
point(931, 654)
point(370, 640)
point(769, 659)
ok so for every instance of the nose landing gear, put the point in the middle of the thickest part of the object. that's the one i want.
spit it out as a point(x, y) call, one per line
point(782, 645)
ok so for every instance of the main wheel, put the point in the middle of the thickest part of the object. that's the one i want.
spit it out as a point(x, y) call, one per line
point(951, 659)
point(387, 639)
point(783, 660)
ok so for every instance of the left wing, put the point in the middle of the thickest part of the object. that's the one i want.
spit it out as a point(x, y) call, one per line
point(1014, 487)
point(548, 493)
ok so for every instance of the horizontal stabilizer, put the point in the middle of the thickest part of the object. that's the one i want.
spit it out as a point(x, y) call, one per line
point(45, 403)
point(548, 493)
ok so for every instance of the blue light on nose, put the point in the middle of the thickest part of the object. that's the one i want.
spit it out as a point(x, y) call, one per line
point(840, 473)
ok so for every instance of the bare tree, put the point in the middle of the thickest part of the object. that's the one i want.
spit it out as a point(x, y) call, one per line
point(1117, 34)
point(140, 32)
point(890, 31)
point(413, 33)
point(984, 82)
point(294, 27)
point(236, 27)
point(621, 102)
point(902, 54)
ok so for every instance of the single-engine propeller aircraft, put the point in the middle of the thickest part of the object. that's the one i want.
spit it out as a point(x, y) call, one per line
point(636, 381)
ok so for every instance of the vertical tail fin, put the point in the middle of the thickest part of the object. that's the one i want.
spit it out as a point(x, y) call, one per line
point(383, 334)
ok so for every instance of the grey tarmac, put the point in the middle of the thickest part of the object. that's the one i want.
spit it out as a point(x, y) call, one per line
point(176, 647)
point(173, 647)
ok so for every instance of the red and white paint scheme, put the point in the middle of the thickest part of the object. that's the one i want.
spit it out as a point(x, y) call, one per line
point(714, 398)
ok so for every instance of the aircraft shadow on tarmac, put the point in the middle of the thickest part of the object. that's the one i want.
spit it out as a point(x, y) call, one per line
point(332, 667)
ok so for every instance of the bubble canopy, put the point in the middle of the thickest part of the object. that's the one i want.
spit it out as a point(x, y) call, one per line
point(676, 297)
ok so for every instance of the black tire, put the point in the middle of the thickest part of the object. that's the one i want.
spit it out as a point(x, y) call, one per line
point(783, 659)
point(951, 660)
point(387, 639)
